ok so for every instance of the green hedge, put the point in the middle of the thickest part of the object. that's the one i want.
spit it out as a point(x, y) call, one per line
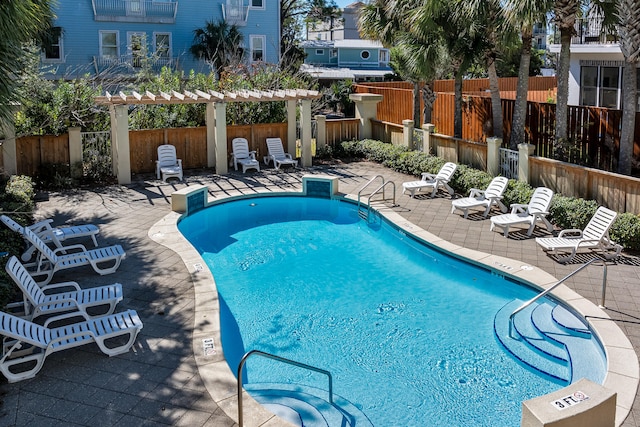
point(565, 212)
point(17, 202)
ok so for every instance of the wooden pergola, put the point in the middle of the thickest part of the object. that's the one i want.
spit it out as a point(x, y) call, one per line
point(216, 120)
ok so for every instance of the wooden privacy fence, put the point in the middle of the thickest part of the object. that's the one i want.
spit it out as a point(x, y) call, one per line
point(190, 143)
point(618, 192)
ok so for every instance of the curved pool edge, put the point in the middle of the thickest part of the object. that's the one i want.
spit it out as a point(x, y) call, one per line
point(623, 369)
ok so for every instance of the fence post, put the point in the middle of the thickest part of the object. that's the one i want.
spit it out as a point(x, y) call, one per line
point(407, 133)
point(493, 155)
point(9, 150)
point(75, 151)
point(321, 132)
point(292, 108)
point(524, 152)
point(366, 110)
point(429, 129)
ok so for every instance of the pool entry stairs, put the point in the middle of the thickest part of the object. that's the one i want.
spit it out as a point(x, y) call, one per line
point(306, 406)
point(544, 336)
point(365, 199)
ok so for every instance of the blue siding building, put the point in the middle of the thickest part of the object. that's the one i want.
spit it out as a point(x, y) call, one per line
point(116, 36)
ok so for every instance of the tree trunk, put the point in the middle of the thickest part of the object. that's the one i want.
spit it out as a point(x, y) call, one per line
point(520, 107)
point(496, 103)
point(457, 114)
point(563, 92)
point(416, 104)
point(428, 97)
point(629, 91)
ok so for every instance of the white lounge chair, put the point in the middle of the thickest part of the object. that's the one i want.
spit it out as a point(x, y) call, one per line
point(49, 234)
point(58, 297)
point(168, 165)
point(242, 155)
point(277, 154)
point(26, 345)
point(535, 211)
point(594, 236)
point(49, 261)
point(483, 198)
point(434, 182)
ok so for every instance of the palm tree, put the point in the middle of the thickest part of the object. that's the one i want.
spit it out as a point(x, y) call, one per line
point(218, 43)
point(20, 22)
point(524, 14)
point(565, 12)
point(628, 14)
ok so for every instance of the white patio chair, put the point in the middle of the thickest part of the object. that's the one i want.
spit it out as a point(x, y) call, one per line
point(61, 297)
point(483, 198)
point(594, 236)
point(242, 155)
point(535, 211)
point(50, 234)
point(103, 260)
point(168, 165)
point(26, 345)
point(434, 182)
point(277, 154)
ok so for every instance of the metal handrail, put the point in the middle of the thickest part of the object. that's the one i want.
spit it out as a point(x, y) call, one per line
point(559, 282)
point(279, 359)
point(367, 184)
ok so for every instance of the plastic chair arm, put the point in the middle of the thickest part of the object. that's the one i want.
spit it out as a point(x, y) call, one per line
point(66, 316)
point(55, 286)
point(574, 231)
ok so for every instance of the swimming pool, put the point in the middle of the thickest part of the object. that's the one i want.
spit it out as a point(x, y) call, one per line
point(398, 321)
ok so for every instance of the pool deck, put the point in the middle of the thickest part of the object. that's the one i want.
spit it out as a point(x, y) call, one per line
point(167, 378)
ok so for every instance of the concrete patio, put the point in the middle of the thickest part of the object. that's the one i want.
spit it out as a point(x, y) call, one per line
point(158, 382)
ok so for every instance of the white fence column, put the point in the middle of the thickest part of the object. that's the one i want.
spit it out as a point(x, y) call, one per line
point(9, 150)
point(427, 143)
point(493, 155)
point(524, 152)
point(292, 106)
point(407, 134)
point(75, 151)
point(366, 109)
point(321, 131)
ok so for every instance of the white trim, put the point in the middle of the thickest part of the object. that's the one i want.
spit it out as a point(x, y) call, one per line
point(60, 59)
point(319, 52)
point(363, 52)
point(263, 7)
point(101, 46)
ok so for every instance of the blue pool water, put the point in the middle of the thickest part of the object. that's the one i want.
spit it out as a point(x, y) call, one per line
point(406, 331)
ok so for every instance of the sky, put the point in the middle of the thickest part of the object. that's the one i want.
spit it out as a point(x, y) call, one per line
point(342, 3)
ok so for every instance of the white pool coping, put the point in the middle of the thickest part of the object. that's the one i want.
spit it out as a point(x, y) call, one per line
point(623, 370)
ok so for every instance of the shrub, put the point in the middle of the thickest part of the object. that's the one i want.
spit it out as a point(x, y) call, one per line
point(626, 231)
point(569, 212)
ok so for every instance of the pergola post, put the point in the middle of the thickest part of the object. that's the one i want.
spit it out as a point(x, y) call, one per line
point(222, 165)
point(291, 126)
point(210, 119)
point(122, 144)
point(75, 151)
point(114, 151)
point(305, 135)
point(9, 150)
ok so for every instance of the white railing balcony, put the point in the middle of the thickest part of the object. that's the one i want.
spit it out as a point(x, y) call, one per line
point(589, 31)
point(235, 14)
point(150, 11)
point(131, 63)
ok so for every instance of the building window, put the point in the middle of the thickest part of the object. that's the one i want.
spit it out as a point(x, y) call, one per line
point(52, 45)
point(257, 4)
point(333, 53)
point(162, 44)
point(137, 46)
point(257, 48)
point(600, 86)
point(109, 44)
point(383, 56)
point(365, 54)
point(319, 52)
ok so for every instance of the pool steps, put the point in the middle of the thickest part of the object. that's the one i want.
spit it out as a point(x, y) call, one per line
point(544, 336)
point(306, 406)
